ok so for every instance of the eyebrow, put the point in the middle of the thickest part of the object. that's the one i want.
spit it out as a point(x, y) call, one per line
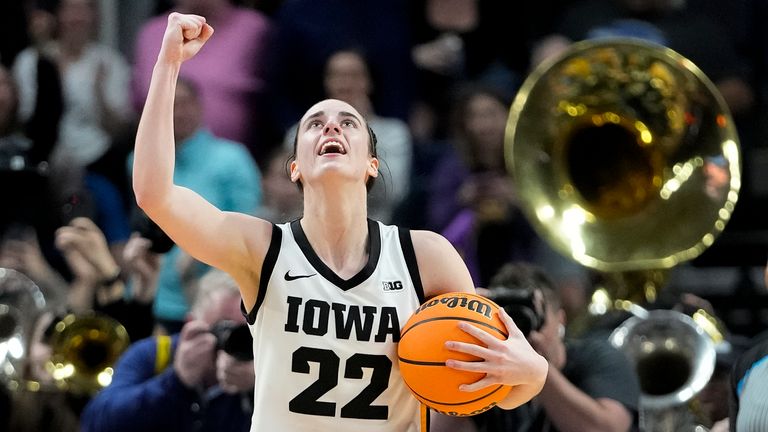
point(349, 114)
point(315, 115)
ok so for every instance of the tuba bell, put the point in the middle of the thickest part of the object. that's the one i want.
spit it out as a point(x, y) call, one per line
point(674, 359)
point(627, 161)
point(625, 156)
point(85, 347)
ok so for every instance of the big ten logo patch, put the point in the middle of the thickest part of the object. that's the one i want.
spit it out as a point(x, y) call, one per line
point(392, 286)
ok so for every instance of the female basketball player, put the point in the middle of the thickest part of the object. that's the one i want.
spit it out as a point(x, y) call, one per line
point(325, 295)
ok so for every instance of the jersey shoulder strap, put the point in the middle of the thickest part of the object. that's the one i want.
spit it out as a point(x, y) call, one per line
point(406, 243)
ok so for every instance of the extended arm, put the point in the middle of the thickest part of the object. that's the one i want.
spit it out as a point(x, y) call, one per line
point(229, 241)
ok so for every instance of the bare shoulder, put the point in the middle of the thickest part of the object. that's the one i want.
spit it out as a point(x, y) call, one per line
point(256, 234)
point(429, 240)
point(440, 266)
point(246, 222)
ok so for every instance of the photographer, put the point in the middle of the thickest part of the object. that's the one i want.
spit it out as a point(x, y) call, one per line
point(188, 381)
point(590, 385)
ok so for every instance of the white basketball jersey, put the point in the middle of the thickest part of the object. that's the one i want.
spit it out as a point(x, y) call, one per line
point(325, 348)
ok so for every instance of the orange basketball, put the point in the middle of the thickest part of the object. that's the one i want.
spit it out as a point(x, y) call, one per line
point(422, 353)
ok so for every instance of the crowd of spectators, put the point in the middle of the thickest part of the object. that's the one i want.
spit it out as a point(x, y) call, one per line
point(434, 78)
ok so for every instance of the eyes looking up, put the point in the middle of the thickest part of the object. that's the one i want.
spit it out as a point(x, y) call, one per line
point(346, 123)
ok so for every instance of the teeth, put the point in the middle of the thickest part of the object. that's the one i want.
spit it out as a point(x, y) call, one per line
point(332, 145)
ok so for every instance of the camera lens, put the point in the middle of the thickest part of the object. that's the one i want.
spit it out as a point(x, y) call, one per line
point(234, 339)
point(521, 306)
point(525, 318)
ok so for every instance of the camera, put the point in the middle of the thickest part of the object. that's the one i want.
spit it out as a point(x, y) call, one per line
point(25, 188)
point(524, 305)
point(234, 339)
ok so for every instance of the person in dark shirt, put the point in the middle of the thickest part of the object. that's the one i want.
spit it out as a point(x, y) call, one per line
point(590, 385)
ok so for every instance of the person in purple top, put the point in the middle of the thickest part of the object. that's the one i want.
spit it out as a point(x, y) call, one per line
point(229, 73)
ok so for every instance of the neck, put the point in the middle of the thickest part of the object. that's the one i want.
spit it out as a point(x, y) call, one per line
point(336, 224)
point(72, 47)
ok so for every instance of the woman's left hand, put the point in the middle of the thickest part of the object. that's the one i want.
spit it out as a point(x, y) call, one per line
point(510, 361)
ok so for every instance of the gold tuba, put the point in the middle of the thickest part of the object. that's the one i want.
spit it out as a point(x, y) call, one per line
point(627, 161)
point(85, 347)
point(625, 156)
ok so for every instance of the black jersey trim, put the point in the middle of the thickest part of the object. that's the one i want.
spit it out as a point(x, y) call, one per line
point(266, 273)
point(406, 243)
point(424, 413)
point(373, 248)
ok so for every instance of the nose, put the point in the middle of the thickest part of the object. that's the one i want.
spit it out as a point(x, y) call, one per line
point(331, 127)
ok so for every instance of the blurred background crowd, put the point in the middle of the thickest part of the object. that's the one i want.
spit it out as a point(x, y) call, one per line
point(434, 78)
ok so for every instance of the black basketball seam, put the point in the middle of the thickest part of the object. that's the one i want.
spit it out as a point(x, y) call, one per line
point(421, 363)
point(427, 363)
point(454, 403)
point(453, 318)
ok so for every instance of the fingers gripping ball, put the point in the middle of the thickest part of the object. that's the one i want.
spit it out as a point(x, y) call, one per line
point(422, 353)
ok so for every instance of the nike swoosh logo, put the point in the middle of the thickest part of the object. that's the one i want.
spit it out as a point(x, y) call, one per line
point(288, 276)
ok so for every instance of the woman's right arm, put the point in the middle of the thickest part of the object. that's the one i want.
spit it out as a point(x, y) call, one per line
point(229, 241)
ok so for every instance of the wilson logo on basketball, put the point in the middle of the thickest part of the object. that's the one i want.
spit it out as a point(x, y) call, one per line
point(474, 305)
point(392, 286)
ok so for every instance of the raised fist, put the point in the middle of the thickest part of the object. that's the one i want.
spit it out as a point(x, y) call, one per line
point(184, 36)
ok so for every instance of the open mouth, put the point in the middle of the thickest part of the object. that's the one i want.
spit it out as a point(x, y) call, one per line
point(331, 147)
